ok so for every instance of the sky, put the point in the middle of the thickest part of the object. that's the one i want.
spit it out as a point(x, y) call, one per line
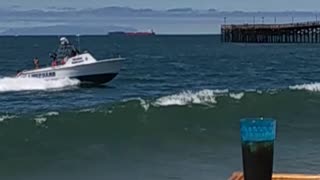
point(246, 5)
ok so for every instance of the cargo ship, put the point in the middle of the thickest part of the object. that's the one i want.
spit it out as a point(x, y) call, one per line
point(121, 33)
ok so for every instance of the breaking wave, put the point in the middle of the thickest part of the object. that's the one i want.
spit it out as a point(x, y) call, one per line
point(203, 97)
point(208, 96)
point(6, 117)
point(237, 95)
point(314, 87)
point(8, 84)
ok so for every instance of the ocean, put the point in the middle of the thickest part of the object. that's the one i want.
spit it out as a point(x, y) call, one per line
point(172, 113)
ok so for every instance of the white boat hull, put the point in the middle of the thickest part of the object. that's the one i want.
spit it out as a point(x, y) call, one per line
point(88, 70)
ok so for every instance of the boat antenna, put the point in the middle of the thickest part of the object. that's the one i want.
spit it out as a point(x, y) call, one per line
point(79, 46)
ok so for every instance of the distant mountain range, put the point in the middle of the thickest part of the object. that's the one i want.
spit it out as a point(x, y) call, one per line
point(127, 11)
point(65, 30)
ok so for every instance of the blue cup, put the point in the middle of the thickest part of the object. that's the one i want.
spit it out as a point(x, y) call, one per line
point(257, 137)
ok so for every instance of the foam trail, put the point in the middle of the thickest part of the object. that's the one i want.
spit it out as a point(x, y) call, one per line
point(188, 97)
point(315, 87)
point(22, 84)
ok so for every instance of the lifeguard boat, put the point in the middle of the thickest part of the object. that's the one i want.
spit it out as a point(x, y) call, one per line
point(81, 66)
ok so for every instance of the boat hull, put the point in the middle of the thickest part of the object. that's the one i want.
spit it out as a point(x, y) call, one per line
point(97, 78)
point(99, 72)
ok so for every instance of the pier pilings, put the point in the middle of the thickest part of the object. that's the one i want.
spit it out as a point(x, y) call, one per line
point(307, 32)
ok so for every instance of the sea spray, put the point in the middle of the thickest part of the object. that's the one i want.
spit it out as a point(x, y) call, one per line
point(8, 84)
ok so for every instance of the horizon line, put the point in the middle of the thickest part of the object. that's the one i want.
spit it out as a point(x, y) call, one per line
point(186, 9)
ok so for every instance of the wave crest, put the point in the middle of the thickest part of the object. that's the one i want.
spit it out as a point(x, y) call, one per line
point(237, 96)
point(315, 87)
point(189, 97)
point(7, 117)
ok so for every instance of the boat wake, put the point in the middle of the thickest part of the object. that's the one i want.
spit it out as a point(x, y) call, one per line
point(8, 84)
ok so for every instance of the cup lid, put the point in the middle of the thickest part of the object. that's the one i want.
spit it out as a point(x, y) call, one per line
point(258, 129)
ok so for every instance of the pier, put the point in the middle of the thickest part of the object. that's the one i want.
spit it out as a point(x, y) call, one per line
point(305, 32)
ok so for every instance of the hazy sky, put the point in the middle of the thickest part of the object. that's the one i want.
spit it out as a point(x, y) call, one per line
point(251, 5)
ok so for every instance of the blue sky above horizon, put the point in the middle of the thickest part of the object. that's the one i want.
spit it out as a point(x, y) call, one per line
point(246, 5)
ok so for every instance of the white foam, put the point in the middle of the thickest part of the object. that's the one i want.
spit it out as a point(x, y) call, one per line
point(6, 117)
point(203, 129)
point(189, 97)
point(40, 120)
point(237, 96)
point(52, 113)
point(144, 104)
point(90, 110)
point(309, 87)
point(23, 84)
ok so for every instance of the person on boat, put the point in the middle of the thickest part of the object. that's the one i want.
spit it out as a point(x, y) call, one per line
point(36, 63)
point(65, 50)
point(54, 61)
point(64, 60)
